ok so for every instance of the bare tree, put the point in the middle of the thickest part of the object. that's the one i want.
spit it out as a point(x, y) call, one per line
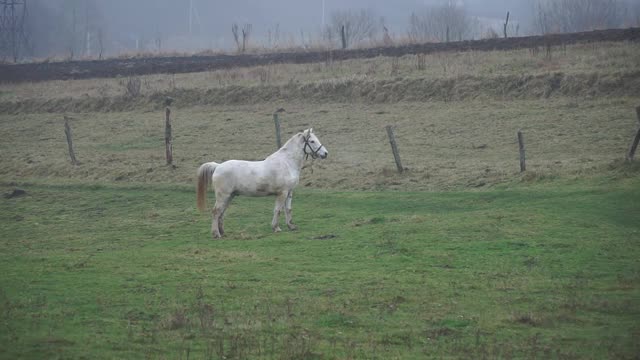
point(305, 40)
point(241, 45)
point(246, 32)
point(386, 38)
point(158, 41)
point(82, 27)
point(504, 26)
point(63, 27)
point(72, 35)
point(440, 23)
point(543, 18)
point(577, 15)
point(273, 37)
point(633, 13)
point(100, 43)
point(353, 26)
point(236, 35)
point(329, 35)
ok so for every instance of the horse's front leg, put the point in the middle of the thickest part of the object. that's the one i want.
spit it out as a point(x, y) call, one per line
point(281, 199)
point(287, 211)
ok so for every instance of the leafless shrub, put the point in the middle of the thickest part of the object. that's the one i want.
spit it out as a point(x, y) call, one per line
point(421, 62)
point(395, 66)
point(263, 74)
point(447, 22)
point(132, 87)
point(577, 15)
point(273, 37)
point(633, 14)
point(490, 34)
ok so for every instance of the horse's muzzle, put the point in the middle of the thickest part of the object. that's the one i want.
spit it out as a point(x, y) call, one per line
point(324, 156)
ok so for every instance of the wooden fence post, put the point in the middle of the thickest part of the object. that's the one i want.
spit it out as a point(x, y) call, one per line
point(523, 166)
point(634, 146)
point(167, 132)
point(394, 148)
point(636, 139)
point(276, 120)
point(67, 132)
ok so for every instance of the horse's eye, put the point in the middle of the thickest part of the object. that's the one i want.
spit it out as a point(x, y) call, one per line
point(313, 142)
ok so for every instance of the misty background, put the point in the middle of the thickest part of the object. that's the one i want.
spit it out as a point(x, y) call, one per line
point(73, 29)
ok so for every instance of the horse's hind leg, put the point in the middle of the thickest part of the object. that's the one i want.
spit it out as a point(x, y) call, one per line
point(281, 199)
point(221, 219)
point(222, 201)
point(287, 211)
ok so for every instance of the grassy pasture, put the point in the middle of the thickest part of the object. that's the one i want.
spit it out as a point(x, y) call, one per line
point(461, 255)
point(617, 60)
point(444, 145)
point(576, 110)
point(130, 272)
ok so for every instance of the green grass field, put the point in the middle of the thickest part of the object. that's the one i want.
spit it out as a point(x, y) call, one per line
point(461, 256)
point(541, 271)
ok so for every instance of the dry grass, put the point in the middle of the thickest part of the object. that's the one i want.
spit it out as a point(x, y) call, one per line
point(575, 60)
point(444, 145)
point(456, 114)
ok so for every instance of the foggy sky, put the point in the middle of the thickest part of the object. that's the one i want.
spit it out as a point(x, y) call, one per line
point(212, 19)
point(85, 28)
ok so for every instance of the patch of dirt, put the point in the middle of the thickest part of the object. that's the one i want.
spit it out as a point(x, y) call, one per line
point(325, 237)
point(15, 193)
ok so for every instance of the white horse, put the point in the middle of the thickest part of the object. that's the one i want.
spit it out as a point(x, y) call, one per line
point(276, 175)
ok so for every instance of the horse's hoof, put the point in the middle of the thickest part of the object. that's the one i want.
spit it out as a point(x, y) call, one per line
point(293, 227)
point(217, 236)
point(277, 229)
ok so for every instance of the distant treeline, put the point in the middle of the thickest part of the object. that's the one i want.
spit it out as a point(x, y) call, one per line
point(75, 29)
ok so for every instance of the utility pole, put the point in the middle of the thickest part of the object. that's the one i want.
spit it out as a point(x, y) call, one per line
point(13, 38)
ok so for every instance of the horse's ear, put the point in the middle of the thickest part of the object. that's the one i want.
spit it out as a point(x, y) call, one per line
point(310, 130)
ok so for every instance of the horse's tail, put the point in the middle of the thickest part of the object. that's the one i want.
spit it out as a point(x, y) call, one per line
point(204, 179)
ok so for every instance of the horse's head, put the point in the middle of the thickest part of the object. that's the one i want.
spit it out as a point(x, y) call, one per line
point(312, 145)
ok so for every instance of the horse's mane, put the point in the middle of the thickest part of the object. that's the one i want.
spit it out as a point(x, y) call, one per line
point(289, 142)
